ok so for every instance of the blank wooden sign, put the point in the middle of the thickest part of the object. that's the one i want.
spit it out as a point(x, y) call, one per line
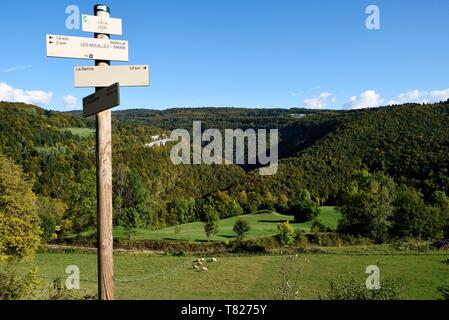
point(101, 100)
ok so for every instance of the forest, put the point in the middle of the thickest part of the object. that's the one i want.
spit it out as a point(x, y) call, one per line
point(386, 169)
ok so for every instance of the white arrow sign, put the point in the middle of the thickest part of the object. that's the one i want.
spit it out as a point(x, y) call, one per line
point(103, 25)
point(103, 76)
point(101, 100)
point(86, 48)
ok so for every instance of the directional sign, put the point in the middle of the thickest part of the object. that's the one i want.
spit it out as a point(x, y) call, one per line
point(86, 48)
point(101, 25)
point(126, 76)
point(101, 100)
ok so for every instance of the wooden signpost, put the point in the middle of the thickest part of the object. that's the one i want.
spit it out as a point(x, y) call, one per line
point(107, 81)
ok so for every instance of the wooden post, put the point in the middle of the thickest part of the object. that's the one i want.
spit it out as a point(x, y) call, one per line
point(104, 189)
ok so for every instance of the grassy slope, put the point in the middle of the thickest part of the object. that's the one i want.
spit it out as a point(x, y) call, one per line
point(262, 225)
point(252, 277)
point(82, 132)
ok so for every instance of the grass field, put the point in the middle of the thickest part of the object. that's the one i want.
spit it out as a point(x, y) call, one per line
point(262, 225)
point(145, 276)
point(249, 277)
point(82, 132)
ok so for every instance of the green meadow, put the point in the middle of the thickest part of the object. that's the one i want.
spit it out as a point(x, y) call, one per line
point(139, 276)
point(262, 225)
point(82, 132)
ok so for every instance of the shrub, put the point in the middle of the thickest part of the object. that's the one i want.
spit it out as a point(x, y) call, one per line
point(31, 287)
point(301, 239)
point(350, 289)
point(57, 291)
point(330, 240)
point(286, 234)
point(13, 287)
point(179, 253)
point(412, 244)
point(241, 227)
point(314, 238)
point(248, 247)
point(317, 226)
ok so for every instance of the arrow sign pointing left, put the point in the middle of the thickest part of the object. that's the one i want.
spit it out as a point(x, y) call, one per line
point(86, 48)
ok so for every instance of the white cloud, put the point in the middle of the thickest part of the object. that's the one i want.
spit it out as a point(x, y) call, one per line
point(439, 95)
point(415, 96)
point(69, 102)
point(419, 96)
point(8, 93)
point(16, 68)
point(319, 102)
point(368, 99)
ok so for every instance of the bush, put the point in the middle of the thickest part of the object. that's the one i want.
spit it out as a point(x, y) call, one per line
point(179, 253)
point(31, 287)
point(248, 247)
point(326, 239)
point(13, 287)
point(356, 240)
point(57, 291)
point(241, 227)
point(301, 239)
point(351, 289)
point(286, 234)
point(412, 244)
point(317, 226)
point(330, 239)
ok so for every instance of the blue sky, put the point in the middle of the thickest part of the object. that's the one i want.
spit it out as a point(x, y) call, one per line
point(244, 53)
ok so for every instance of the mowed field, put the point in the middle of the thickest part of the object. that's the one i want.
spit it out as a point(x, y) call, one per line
point(139, 276)
point(262, 225)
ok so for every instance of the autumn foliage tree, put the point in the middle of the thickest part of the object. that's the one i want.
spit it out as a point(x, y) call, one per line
point(19, 222)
